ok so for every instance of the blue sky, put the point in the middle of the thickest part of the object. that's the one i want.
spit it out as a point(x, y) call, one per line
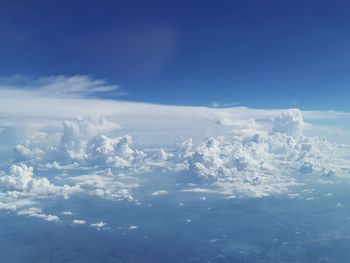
point(128, 127)
point(265, 54)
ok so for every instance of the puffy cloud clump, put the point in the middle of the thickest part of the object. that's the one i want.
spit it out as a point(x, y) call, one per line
point(263, 153)
point(38, 147)
point(100, 225)
point(289, 122)
point(236, 165)
point(82, 141)
point(218, 157)
point(309, 155)
point(21, 182)
point(77, 134)
point(113, 151)
point(263, 163)
point(26, 151)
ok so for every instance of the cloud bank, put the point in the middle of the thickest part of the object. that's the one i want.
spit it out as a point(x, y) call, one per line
point(109, 150)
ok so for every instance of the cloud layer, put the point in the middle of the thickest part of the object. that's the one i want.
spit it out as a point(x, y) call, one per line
point(110, 150)
point(254, 163)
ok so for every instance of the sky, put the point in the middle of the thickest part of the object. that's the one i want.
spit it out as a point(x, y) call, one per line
point(128, 127)
point(261, 54)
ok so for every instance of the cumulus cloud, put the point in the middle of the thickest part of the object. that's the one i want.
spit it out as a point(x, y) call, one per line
point(82, 141)
point(236, 165)
point(21, 180)
point(100, 225)
point(78, 222)
point(77, 134)
point(289, 122)
point(254, 163)
point(116, 151)
point(233, 151)
point(38, 213)
point(67, 213)
point(20, 189)
point(263, 164)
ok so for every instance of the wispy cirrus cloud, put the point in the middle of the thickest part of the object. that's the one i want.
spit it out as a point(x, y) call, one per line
point(61, 86)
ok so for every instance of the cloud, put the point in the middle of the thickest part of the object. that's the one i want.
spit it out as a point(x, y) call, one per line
point(116, 152)
point(11, 202)
point(255, 163)
point(112, 187)
point(237, 166)
point(36, 212)
point(160, 192)
point(289, 122)
point(78, 222)
point(20, 180)
point(61, 86)
point(67, 213)
point(82, 141)
point(77, 134)
point(25, 108)
point(100, 225)
point(76, 144)
point(20, 189)
point(264, 163)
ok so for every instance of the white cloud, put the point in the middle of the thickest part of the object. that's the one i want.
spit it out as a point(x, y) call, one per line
point(232, 151)
point(289, 122)
point(78, 222)
point(99, 225)
point(112, 187)
point(200, 190)
point(20, 189)
point(67, 213)
point(160, 192)
point(10, 201)
point(116, 152)
point(255, 163)
point(82, 141)
point(25, 107)
point(21, 180)
point(263, 164)
point(61, 86)
point(36, 212)
point(76, 135)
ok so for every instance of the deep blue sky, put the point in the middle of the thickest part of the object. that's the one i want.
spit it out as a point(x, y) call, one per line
point(253, 53)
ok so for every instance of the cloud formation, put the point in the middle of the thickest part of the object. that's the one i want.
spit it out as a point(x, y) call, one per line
point(289, 122)
point(38, 213)
point(123, 147)
point(60, 86)
point(21, 181)
point(82, 141)
point(265, 163)
point(255, 163)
